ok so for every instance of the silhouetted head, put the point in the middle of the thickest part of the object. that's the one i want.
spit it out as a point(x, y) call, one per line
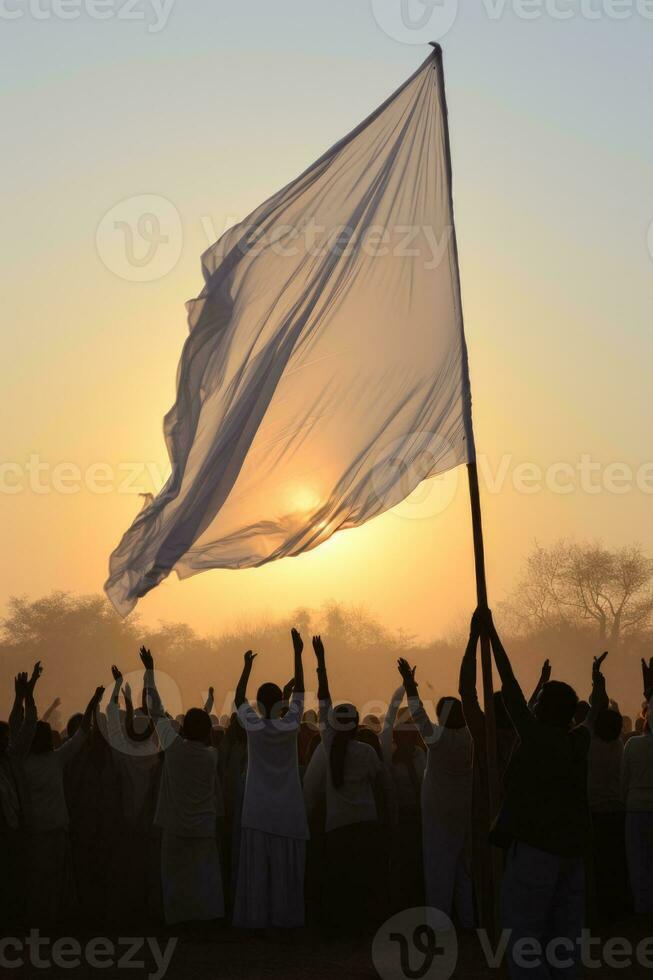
point(310, 717)
point(556, 704)
point(74, 723)
point(501, 716)
point(627, 724)
point(609, 725)
point(139, 726)
point(450, 713)
point(373, 723)
point(197, 726)
point(581, 712)
point(269, 696)
point(42, 741)
point(344, 719)
point(4, 737)
point(368, 737)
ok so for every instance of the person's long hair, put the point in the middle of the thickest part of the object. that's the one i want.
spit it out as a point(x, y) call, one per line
point(346, 724)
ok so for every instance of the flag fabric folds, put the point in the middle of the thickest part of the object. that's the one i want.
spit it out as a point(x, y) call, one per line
point(325, 372)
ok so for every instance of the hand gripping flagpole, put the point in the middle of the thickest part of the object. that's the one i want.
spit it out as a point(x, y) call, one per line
point(488, 901)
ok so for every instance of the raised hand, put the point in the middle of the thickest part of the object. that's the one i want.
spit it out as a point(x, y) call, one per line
point(127, 693)
point(318, 648)
point(116, 674)
point(407, 673)
point(249, 658)
point(545, 676)
point(36, 673)
point(288, 689)
point(211, 692)
point(97, 697)
point(297, 642)
point(598, 661)
point(147, 658)
point(20, 685)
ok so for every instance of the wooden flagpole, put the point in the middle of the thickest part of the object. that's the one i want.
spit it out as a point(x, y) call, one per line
point(488, 902)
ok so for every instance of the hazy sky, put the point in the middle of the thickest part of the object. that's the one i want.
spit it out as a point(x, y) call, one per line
point(196, 112)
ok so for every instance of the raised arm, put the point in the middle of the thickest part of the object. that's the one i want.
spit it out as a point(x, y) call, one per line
point(426, 728)
point(298, 647)
point(114, 729)
point(71, 747)
point(513, 697)
point(47, 714)
point(150, 692)
point(323, 693)
point(545, 677)
point(474, 717)
point(210, 701)
point(241, 690)
point(389, 724)
point(17, 711)
point(24, 689)
point(21, 741)
point(598, 698)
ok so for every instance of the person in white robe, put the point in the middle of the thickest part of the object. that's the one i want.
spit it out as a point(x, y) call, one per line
point(189, 803)
point(446, 804)
point(274, 828)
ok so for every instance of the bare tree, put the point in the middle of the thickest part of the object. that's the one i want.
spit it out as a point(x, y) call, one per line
point(570, 584)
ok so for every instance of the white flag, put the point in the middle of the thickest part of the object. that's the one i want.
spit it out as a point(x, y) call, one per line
point(325, 373)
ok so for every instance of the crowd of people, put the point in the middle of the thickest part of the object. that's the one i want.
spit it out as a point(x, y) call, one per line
point(279, 816)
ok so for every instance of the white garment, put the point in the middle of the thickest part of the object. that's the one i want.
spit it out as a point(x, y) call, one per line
point(45, 805)
point(447, 786)
point(354, 800)
point(189, 794)
point(637, 774)
point(270, 886)
point(446, 815)
point(326, 346)
point(273, 793)
point(191, 879)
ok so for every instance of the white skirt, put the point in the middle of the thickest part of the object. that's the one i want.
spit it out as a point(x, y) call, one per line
point(191, 879)
point(270, 886)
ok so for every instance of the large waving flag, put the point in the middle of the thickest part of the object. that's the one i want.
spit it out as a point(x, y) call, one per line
point(325, 373)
